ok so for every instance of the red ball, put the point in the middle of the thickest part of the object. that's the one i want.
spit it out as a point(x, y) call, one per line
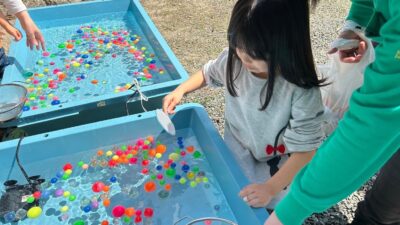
point(133, 160)
point(119, 153)
point(138, 219)
point(138, 212)
point(98, 186)
point(105, 222)
point(37, 194)
point(118, 211)
point(67, 166)
point(148, 212)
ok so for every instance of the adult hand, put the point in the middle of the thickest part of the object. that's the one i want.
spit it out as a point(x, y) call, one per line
point(273, 220)
point(352, 55)
point(34, 37)
point(257, 195)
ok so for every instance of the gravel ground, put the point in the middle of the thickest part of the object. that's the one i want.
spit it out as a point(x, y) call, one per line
point(196, 32)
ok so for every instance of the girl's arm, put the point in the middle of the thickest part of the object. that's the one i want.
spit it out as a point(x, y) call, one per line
point(10, 29)
point(195, 82)
point(259, 195)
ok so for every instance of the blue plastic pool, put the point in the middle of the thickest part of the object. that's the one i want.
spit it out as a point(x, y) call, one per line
point(94, 51)
point(212, 191)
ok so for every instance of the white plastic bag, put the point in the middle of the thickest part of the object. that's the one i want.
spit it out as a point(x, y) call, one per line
point(345, 78)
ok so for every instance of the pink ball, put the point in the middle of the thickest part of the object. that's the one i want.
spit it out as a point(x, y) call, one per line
point(118, 211)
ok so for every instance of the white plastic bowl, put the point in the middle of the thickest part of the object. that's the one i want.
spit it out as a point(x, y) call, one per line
point(12, 99)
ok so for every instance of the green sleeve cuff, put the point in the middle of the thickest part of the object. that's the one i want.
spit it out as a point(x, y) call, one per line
point(290, 211)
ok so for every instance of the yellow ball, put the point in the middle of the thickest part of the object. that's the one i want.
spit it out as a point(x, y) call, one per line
point(193, 184)
point(109, 153)
point(64, 209)
point(158, 155)
point(67, 194)
point(68, 171)
point(34, 212)
point(115, 157)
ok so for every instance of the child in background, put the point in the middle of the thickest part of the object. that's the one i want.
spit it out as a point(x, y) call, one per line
point(34, 37)
point(273, 106)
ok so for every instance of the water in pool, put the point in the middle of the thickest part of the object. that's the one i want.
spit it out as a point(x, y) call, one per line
point(90, 56)
point(144, 181)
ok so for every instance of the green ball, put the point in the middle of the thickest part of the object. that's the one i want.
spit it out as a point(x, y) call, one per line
point(79, 222)
point(170, 172)
point(30, 199)
point(65, 176)
point(72, 198)
point(127, 219)
point(196, 154)
point(61, 46)
point(80, 163)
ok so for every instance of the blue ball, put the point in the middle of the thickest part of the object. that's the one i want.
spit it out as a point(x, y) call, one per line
point(185, 168)
point(133, 38)
point(159, 167)
point(113, 179)
point(55, 102)
point(26, 108)
point(79, 31)
point(177, 177)
point(85, 56)
point(45, 194)
point(87, 208)
point(173, 165)
point(53, 180)
point(9, 217)
point(180, 138)
point(60, 174)
point(153, 61)
point(106, 41)
point(82, 76)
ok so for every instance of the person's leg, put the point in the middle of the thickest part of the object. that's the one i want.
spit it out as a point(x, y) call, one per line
point(382, 203)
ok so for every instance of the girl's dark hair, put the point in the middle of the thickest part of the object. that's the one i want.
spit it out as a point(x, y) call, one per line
point(276, 31)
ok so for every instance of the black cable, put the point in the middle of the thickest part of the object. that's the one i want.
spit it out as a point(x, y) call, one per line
point(19, 164)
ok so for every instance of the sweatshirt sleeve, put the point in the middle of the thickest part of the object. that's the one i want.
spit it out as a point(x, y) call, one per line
point(14, 6)
point(361, 11)
point(367, 136)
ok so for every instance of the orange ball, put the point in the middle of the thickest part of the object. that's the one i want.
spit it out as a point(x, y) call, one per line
point(161, 149)
point(167, 187)
point(100, 152)
point(190, 149)
point(95, 81)
point(106, 202)
point(106, 188)
point(129, 212)
point(105, 222)
point(152, 152)
point(150, 138)
point(150, 186)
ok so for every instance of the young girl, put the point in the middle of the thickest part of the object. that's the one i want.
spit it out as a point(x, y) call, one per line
point(273, 106)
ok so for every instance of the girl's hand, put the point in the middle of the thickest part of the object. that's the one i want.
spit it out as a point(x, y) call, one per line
point(257, 195)
point(171, 100)
point(353, 55)
point(11, 30)
point(273, 220)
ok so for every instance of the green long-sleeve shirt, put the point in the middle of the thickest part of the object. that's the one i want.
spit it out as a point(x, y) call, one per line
point(369, 133)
